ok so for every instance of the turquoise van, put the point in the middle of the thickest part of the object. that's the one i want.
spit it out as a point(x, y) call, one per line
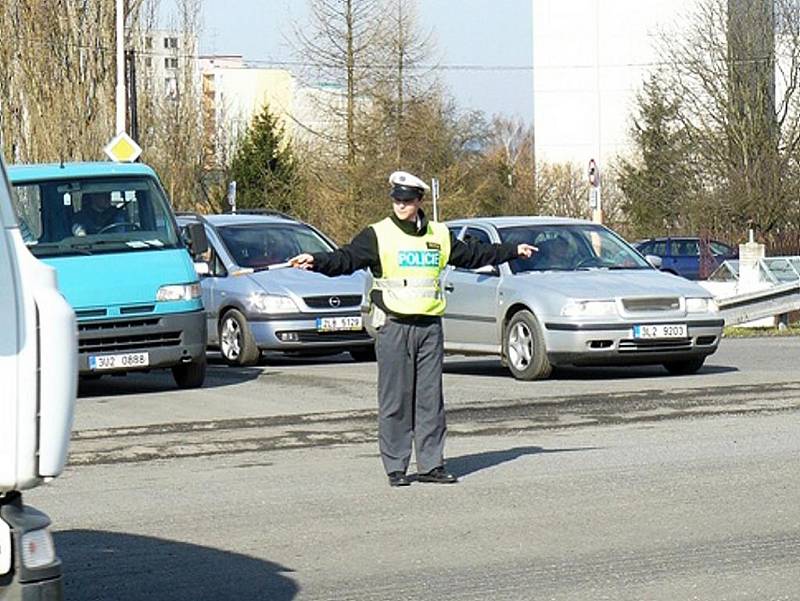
point(122, 263)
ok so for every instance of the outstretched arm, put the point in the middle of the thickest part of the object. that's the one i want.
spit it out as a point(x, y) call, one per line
point(360, 253)
point(474, 254)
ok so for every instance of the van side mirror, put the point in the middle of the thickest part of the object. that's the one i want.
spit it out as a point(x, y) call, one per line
point(194, 236)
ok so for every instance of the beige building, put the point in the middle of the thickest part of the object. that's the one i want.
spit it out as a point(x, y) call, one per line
point(234, 93)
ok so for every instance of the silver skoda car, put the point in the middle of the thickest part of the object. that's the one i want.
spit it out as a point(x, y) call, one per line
point(251, 306)
point(586, 298)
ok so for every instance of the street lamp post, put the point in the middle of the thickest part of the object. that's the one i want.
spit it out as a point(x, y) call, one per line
point(121, 109)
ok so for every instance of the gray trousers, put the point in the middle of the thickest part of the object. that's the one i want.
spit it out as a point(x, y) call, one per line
point(410, 401)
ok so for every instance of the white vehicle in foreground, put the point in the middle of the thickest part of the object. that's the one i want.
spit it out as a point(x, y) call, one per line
point(38, 372)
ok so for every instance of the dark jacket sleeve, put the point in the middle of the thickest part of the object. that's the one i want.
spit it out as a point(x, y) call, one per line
point(360, 253)
point(474, 254)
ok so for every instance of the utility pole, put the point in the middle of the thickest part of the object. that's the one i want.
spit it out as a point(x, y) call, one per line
point(121, 110)
point(533, 98)
point(133, 105)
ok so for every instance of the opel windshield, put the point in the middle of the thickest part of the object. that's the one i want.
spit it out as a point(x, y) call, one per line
point(258, 246)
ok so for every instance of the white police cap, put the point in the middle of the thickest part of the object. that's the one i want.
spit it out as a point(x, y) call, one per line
point(406, 186)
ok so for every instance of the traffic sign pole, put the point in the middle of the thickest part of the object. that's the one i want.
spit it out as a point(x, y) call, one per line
point(595, 197)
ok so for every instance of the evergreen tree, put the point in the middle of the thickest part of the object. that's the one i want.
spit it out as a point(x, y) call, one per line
point(661, 184)
point(265, 169)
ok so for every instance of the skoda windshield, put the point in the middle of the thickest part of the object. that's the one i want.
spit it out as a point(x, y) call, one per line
point(573, 247)
point(94, 215)
point(258, 246)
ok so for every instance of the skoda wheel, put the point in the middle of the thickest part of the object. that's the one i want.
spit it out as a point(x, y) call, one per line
point(236, 342)
point(524, 347)
point(685, 367)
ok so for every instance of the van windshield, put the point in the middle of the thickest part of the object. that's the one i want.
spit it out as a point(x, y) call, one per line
point(94, 215)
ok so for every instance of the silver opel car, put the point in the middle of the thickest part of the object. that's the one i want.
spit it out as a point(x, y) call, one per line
point(585, 298)
point(252, 306)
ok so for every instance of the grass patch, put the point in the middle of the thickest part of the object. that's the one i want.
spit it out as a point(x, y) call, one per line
point(739, 332)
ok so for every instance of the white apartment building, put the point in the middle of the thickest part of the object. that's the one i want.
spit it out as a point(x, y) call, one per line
point(590, 59)
point(169, 60)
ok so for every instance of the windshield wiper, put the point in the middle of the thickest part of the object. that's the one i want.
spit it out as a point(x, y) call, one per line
point(47, 249)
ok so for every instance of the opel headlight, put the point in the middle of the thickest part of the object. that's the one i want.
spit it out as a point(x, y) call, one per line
point(701, 305)
point(37, 548)
point(271, 303)
point(589, 308)
point(179, 292)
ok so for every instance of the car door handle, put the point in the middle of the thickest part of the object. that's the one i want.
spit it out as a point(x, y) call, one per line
point(449, 287)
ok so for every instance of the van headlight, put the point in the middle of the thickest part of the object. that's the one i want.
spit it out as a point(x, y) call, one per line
point(261, 302)
point(37, 548)
point(701, 305)
point(179, 292)
point(589, 308)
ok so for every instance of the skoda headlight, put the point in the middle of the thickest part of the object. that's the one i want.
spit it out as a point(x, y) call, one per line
point(589, 308)
point(271, 303)
point(37, 548)
point(701, 305)
point(178, 292)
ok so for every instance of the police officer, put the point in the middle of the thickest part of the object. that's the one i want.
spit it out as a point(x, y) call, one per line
point(405, 253)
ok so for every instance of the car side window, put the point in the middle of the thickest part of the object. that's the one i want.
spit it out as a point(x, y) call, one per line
point(216, 268)
point(471, 234)
point(455, 230)
point(646, 248)
point(685, 248)
point(659, 248)
point(718, 248)
point(474, 233)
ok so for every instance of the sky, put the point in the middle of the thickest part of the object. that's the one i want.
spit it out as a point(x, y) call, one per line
point(484, 46)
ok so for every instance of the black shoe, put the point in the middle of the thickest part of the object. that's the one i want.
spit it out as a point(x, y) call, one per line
point(398, 479)
point(437, 475)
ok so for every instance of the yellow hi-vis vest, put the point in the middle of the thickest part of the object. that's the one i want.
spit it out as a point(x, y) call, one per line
point(411, 266)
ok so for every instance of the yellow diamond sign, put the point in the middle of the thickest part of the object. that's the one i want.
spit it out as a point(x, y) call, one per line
point(123, 149)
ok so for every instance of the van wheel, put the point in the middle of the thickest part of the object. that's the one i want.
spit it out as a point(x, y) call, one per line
point(524, 348)
point(684, 368)
point(190, 375)
point(236, 341)
point(363, 354)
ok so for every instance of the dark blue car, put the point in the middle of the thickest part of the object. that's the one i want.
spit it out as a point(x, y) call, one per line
point(681, 255)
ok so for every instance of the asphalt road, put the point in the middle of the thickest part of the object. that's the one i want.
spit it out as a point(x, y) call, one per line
point(597, 484)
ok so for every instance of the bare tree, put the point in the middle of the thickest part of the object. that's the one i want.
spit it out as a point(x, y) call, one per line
point(339, 46)
point(58, 65)
point(171, 116)
point(405, 77)
point(743, 125)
